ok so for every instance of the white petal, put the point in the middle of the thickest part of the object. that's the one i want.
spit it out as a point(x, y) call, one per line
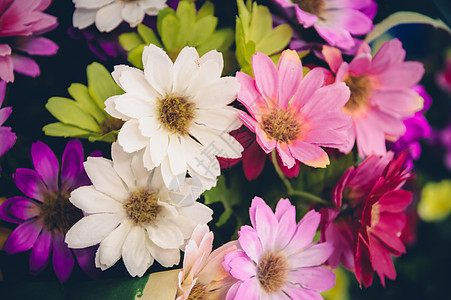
point(110, 108)
point(134, 107)
point(201, 160)
point(149, 126)
point(206, 182)
point(132, 13)
point(225, 119)
point(137, 258)
point(207, 73)
point(159, 144)
point(121, 164)
point(153, 4)
point(110, 249)
point(186, 225)
point(104, 178)
point(132, 81)
point(219, 93)
point(176, 156)
point(198, 212)
point(91, 230)
point(185, 69)
point(109, 17)
point(83, 17)
point(158, 69)
point(165, 234)
point(156, 182)
point(213, 56)
point(90, 200)
point(141, 174)
point(188, 193)
point(166, 257)
point(216, 142)
point(147, 159)
point(130, 137)
point(91, 3)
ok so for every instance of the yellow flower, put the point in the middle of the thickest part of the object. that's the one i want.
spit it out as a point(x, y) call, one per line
point(435, 203)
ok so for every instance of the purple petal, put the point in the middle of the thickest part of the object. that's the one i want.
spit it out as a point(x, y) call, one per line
point(23, 237)
point(85, 259)
point(39, 256)
point(46, 164)
point(25, 65)
point(2, 92)
point(23, 208)
point(72, 165)
point(63, 261)
point(5, 213)
point(4, 112)
point(6, 68)
point(30, 183)
point(35, 45)
point(7, 138)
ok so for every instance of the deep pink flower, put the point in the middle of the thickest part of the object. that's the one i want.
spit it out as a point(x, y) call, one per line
point(336, 21)
point(22, 21)
point(277, 257)
point(292, 114)
point(381, 94)
point(7, 138)
point(45, 214)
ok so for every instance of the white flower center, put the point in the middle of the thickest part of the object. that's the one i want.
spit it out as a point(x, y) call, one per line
point(314, 7)
point(176, 113)
point(142, 207)
point(272, 272)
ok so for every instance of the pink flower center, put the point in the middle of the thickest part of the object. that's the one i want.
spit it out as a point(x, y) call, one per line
point(272, 272)
point(58, 214)
point(111, 124)
point(198, 292)
point(281, 125)
point(314, 7)
point(360, 87)
point(176, 113)
point(142, 207)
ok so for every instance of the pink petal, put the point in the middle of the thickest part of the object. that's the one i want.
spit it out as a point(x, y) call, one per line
point(249, 290)
point(290, 75)
point(46, 164)
point(402, 76)
point(360, 64)
point(286, 227)
point(285, 155)
point(263, 140)
point(25, 65)
point(305, 231)
point(305, 18)
point(249, 95)
point(327, 98)
point(240, 265)
point(63, 261)
point(256, 202)
point(333, 57)
point(250, 242)
point(23, 237)
point(253, 161)
point(312, 256)
point(336, 36)
point(297, 292)
point(381, 260)
point(6, 68)
point(266, 77)
point(39, 256)
point(316, 278)
point(390, 53)
point(370, 139)
point(247, 120)
point(309, 154)
point(266, 226)
point(35, 45)
point(282, 207)
point(351, 20)
point(311, 82)
point(395, 201)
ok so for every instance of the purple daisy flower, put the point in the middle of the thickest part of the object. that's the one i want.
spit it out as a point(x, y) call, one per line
point(45, 214)
point(7, 138)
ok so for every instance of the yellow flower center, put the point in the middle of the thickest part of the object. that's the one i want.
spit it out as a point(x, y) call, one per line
point(142, 207)
point(176, 113)
point(272, 272)
point(198, 292)
point(111, 124)
point(58, 214)
point(360, 87)
point(314, 7)
point(281, 125)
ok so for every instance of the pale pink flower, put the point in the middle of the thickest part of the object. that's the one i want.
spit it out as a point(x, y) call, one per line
point(381, 94)
point(292, 114)
point(21, 21)
point(277, 257)
point(203, 276)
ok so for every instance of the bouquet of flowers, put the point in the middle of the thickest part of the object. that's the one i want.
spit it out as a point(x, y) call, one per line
point(240, 149)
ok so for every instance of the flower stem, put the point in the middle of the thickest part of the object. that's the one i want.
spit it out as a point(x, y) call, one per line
point(290, 190)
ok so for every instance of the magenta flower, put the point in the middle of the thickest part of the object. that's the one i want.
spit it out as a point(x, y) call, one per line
point(7, 138)
point(381, 94)
point(277, 257)
point(45, 214)
point(21, 21)
point(292, 114)
point(336, 21)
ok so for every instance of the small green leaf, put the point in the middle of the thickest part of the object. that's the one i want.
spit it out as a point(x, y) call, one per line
point(221, 40)
point(186, 13)
point(261, 23)
point(110, 137)
point(161, 15)
point(244, 15)
point(208, 9)
point(70, 112)
point(65, 130)
point(130, 40)
point(100, 84)
point(202, 30)
point(170, 28)
point(81, 94)
point(134, 56)
point(276, 40)
point(148, 36)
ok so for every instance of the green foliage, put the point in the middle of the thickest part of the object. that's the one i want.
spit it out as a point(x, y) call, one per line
point(178, 29)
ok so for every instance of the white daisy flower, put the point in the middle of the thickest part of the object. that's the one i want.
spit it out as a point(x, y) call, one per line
point(108, 14)
point(178, 112)
point(130, 212)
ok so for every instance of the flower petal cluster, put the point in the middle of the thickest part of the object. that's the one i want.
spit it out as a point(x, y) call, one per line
point(22, 21)
point(203, 274)
point(336, 21)
point(277, 257)
point(381, 94)
point(132, 214)
point(45, 214)
point(7, 138)
point(178, 113)
point(108, 14)
point(292, 114)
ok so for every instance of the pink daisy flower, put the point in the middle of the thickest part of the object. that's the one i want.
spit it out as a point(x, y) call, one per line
point(21, 21)
point(292, 114)
point(336, 21)
point(381, 94)
point(277, 257)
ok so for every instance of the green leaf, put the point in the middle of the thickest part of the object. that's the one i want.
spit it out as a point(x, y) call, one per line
point(110, 137)
point(202, 30)
point(170, 27)
point(261, 23)
point(221, 40)
point(148, 36)
point(243, 15)
point(70, 112)
point(186, 13)
point(276, 40)
point(161, 15)
point(65, 130)
point(403, 17)
point(80, 93)
point(208, 9)
point(130, 40)
point(134, 56)
point(100, 84)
